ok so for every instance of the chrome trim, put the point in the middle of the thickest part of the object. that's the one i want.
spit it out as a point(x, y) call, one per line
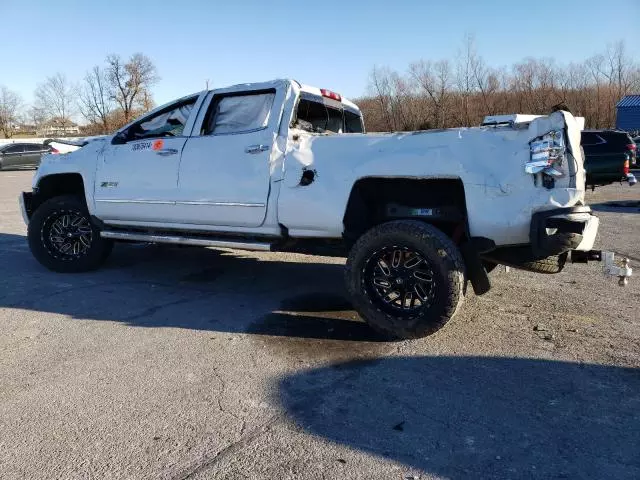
point(256, 148)
point(167, 151)
point(173, 202)
point(179, 240)
point(153, 202)
point(221, 204)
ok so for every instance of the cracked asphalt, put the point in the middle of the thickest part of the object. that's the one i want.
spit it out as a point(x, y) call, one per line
point(184, 363)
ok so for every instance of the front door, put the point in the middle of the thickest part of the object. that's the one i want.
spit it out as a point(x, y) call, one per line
point(12, 156)
point(225, 168)
point(137, 174)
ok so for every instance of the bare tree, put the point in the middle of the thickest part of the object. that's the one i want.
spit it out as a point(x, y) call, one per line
point(94, 99)
point(130, 83)
point(57, 98)
point(380, 85)
point(434, 79)
point(36, 116)
point(10, 103)
point(433, 95)
point(464, 77)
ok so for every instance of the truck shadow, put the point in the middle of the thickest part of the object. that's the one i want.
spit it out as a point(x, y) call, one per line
point(476, 417)
point(619, 206)
point(192, 288)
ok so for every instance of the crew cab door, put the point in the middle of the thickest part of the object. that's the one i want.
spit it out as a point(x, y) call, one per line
point(137, 173)
point(225, 169)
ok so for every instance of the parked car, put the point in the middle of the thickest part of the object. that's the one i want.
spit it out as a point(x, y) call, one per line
point(65, 145)
point(22, 155)
point(609, 156)
point(273, 166)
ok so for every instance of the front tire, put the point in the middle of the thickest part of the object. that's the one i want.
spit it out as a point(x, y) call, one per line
point(63, 238)
point(405, 278)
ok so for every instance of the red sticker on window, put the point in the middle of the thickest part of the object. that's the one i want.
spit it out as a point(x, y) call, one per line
point(158, 144)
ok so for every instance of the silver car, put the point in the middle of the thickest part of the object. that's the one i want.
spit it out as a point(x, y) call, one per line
point(22, 155)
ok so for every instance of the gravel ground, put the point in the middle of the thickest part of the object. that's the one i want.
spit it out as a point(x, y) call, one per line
point(184, 363)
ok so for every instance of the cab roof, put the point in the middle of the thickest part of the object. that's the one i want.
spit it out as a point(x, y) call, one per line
point(318, 92)
point(308, 89)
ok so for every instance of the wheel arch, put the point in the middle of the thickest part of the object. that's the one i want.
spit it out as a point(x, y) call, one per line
point(57, 184)
point(375, 200)
point(440, 202)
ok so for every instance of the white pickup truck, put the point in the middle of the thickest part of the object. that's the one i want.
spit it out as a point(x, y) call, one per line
point(280, 166)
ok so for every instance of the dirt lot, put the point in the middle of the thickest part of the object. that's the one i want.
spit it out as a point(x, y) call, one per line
point(190, 363)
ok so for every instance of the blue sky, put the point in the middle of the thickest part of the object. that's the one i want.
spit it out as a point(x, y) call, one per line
point(332, 44)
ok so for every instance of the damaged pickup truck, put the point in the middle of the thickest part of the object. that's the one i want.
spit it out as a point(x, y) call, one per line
point(280, 166)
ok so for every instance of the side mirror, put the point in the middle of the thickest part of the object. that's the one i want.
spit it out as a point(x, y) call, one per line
point(119, 138)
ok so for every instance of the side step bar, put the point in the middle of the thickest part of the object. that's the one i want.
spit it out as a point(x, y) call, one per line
point(181, 240)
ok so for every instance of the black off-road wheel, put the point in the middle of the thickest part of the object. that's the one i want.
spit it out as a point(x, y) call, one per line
point(63, 238)
point(405, 279)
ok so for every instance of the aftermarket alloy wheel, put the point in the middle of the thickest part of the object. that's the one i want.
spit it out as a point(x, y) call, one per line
point(62, 237)
point(405, 278)
point(399, 280)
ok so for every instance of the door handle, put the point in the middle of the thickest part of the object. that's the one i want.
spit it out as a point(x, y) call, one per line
point(166, 152)
point(256, 148)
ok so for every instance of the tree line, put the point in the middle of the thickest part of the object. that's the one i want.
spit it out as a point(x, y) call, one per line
point(428, 94)
point(461, 92)
point(109, 96)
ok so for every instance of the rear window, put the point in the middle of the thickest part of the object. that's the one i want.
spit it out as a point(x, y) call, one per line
point(318, 117)
point(591, 138)
point(613, 139)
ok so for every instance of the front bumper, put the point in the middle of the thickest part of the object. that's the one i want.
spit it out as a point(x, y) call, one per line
point(26, 206)
point(562, 229)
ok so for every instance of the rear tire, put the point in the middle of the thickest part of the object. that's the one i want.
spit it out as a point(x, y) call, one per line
point(405, 278)
point(63, 238)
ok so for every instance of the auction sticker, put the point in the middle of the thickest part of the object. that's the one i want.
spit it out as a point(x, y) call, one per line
point(136, 147)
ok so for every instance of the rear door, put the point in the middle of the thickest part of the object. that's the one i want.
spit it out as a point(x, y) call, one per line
point(32, 154)
point(225, 169)
point(137, 174)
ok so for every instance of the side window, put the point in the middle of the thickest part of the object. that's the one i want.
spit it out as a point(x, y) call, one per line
point(33, 148)
point(14, 149)
point(238, 113)
point(318, 117)
point(169, 122)
point(352, 122)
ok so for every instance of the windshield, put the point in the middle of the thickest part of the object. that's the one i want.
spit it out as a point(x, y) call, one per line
point(319, 118)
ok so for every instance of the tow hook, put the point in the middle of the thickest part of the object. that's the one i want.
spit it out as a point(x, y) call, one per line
point(609, 265)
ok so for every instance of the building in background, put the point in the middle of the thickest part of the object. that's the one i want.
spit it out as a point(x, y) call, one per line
point(58, 128)
point(628, 113)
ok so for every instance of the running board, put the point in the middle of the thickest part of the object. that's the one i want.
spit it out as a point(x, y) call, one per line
point(180, 240)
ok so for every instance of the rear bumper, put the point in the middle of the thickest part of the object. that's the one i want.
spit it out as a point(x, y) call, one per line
point(26, 202)
point(562, 229)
